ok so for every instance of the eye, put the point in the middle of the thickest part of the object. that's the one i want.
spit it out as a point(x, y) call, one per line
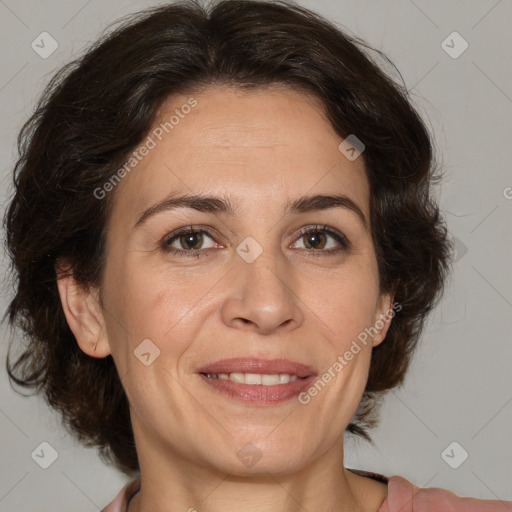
point(187, 242)
point(316, 240)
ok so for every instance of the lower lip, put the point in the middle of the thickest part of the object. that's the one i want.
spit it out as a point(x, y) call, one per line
point(257, 393)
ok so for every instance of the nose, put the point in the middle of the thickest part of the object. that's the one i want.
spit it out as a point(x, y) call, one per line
point(262, 297)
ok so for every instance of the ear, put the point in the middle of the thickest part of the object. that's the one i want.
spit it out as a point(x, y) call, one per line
point(83, 313)
point(384, 313)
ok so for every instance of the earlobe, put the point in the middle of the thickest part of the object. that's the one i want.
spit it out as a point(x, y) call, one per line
point(383, 317)
point(83, 313)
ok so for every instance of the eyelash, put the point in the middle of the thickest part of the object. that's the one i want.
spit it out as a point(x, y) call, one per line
point(197, 253)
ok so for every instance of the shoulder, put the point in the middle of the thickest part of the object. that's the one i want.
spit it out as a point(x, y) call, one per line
point(405, 496)
point(120, 502)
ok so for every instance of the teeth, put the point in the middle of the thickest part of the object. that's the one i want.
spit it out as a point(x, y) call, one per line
point(237, 377)
point(255, 378)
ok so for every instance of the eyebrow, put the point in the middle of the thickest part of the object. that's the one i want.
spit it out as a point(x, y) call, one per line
point(216, 205)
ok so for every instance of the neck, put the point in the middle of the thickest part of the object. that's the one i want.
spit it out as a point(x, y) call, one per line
point(170, 483)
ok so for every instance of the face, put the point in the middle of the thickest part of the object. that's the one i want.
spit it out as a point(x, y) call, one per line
point(273, 279)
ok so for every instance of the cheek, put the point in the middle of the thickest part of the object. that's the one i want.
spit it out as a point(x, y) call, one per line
point(149, 301)
point(348, 301)
point(153, 304)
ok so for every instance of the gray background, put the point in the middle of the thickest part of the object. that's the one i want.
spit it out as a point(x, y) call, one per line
point(459, 386)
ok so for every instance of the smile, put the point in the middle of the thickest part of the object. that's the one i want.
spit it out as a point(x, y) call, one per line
point(264, 379)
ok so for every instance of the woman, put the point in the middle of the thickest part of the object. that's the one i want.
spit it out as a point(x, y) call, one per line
point(226, 249)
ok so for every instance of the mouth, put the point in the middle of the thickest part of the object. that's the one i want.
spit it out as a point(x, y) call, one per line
point(263, 379)
point(258, 381)
point(258, 366)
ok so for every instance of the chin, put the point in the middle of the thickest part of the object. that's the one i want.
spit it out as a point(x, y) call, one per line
point(262, 457)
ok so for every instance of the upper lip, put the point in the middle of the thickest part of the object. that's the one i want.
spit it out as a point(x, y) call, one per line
point(258, 365)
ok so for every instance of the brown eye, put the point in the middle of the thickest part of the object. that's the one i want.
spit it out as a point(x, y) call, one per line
point(323, 240)
point(315, 240)
point(188, 242)
point(191, 240)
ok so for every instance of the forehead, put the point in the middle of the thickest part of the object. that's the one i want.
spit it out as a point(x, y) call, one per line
point(268, 145)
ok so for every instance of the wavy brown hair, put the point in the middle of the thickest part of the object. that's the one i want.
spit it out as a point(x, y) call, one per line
point(98, 108)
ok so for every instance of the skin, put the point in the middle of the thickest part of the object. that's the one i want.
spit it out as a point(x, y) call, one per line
point(261, 149)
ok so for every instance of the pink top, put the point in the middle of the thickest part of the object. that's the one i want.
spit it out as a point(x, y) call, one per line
point(403, 496)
